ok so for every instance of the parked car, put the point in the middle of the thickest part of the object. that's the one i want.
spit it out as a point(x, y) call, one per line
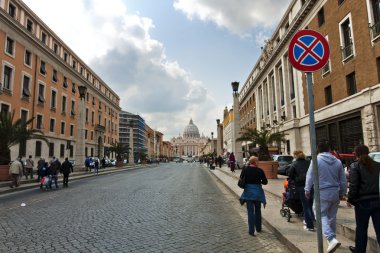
point(347, 159)
point(375, 156)
point(283, 163)
point(112, 162)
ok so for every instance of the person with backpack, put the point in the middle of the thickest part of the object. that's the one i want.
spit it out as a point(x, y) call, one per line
point(55, 168)
point(96, 166)
point(297, 172)
point(43, 173)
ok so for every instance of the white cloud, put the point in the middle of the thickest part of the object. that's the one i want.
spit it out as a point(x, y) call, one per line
point(119, 48)
point(239, 17)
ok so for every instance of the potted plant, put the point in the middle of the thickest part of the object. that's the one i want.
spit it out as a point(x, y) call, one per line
point(13, 132)
point(120, 149)
point(263, 139)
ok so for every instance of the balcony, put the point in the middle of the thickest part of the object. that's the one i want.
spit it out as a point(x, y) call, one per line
point(100, 128)
point(375, 30)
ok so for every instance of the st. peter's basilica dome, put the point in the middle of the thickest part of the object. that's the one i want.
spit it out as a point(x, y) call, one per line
point(191, 131)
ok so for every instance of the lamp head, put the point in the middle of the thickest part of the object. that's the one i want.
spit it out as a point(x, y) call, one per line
point(82, 91)
point(235, 86)
point(218, 122)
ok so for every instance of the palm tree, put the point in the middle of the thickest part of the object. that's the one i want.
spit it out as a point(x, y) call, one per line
point(263, 139)
point(13, 132)
point(120, 149)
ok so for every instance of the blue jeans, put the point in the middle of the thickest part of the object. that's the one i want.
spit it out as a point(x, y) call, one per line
point(307, 206)
point(365, 209)
point(254, 216)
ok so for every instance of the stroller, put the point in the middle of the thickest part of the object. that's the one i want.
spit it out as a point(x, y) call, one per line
point(290, 200)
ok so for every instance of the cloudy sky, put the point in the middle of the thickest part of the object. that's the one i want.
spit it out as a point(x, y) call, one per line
point(170, 60)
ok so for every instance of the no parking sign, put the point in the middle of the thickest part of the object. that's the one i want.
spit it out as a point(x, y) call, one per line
point(308, 51)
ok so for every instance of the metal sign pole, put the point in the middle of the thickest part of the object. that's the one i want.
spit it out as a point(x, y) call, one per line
point(314, 161)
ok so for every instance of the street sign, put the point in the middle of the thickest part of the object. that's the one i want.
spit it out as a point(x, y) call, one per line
point(308, 51)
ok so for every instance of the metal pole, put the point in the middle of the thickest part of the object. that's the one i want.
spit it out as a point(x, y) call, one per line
point(314, 161)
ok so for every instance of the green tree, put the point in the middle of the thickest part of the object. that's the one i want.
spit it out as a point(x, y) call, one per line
point(120, 149)
point(263, 139)
point(13, 132)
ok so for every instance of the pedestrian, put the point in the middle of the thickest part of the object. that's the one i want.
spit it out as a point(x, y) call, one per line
point(87, 163)
point(40, 165)
point(220, 161)
point(332, 184)
point(55, 168)
point(103, 162)
point(43, 173)
point(96, 166)
point(15, 172)
point(66, 168)
point(364, 195)
point(297, 172)
point(253, 194)
point(232, 162)
point(29, 167)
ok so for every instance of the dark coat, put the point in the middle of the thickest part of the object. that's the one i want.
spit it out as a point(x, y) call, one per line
point(66, 167)
point(298, 170)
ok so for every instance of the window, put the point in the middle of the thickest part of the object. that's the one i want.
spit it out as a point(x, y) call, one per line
point(51, 149)
point(41, 91)
point(63, 125)
point(53, 101)
point(4, 108)
point(92, 138)
point(65, 56)
point(24, 116)
point(9, 46)
point(55, 79)
point(43, 37)
point(63, 105)
point(74, 64)
point(375, 28)
point(93, 100)
point(328, 95)
point(73, 90)
point(64, 84)
point(81, 70)
point(39, 121)
point(71, 130)
point(25, 86)
point(71, 150)
point(55, 48)
point(351, 84)
point(92, 118)
point(281, 86)
point(86, 115)
point(321, 17)
point(12, 10)
point(340, 2)
point(52, 125)
point(378, 68)
point(43, 68)
point(346, 39)
point(29, 25)
point(85, 151)
point(72, 108)
point(62, 150)
point(8, 77)
point(38, 148)
point(28, 58)
point(291, 80)
point(86, 134)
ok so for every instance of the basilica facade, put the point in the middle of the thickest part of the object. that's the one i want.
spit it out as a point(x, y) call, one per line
point(191, 143)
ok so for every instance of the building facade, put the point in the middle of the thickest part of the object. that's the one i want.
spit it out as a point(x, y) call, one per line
point(39, 79)
point(191, 143)
point(346, 91)
point(128, 122)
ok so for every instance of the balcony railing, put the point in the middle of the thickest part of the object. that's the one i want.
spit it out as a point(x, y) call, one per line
point(347, 51)
point(375, 30)
point(100, 128)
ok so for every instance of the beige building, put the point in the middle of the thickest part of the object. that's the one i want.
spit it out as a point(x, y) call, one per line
point(346, 90)
point(39, 79)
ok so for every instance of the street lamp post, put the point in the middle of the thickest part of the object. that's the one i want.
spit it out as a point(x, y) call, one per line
point(79, 152)
point(218, 138)
point(236, 145)
point(131, 150)
point(212, 143)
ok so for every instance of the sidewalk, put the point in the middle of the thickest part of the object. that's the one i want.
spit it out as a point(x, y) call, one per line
point(292, 233)
point(32, 183)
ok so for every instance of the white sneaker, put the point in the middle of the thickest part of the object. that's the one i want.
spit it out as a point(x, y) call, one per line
point(333, 245)
point(308, 229)
point(304, 222)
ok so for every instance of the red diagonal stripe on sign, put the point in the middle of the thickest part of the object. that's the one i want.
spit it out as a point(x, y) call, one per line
point(308, 50)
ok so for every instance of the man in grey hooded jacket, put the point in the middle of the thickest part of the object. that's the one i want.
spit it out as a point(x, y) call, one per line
point(332, 185)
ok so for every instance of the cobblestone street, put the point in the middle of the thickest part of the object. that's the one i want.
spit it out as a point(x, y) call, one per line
point(169, 208)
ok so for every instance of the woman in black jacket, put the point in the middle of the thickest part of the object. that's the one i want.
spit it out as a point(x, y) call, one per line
point(364, 195)
point(297, 172)
point(253, 193)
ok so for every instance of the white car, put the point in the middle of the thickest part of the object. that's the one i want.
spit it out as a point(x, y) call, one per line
point(375, 156)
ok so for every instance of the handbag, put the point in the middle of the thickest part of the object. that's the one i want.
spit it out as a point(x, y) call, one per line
point(241, 182)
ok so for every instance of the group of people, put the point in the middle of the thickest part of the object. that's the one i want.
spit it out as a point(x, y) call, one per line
point(47, 171)
point(363, 194)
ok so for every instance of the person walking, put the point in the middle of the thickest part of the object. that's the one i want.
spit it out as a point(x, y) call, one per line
point(96, 166)
point(55, 168)
point(232, 162)
point(40, 165)
point(364, 195)
point(332, 184)
point(87, 163)
point(220, 161)
point(43, 172)
point(29, 167)
point(66, 169)
point(297, 172)
point(253, 194)
point(103, 163)
point(15, 172)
